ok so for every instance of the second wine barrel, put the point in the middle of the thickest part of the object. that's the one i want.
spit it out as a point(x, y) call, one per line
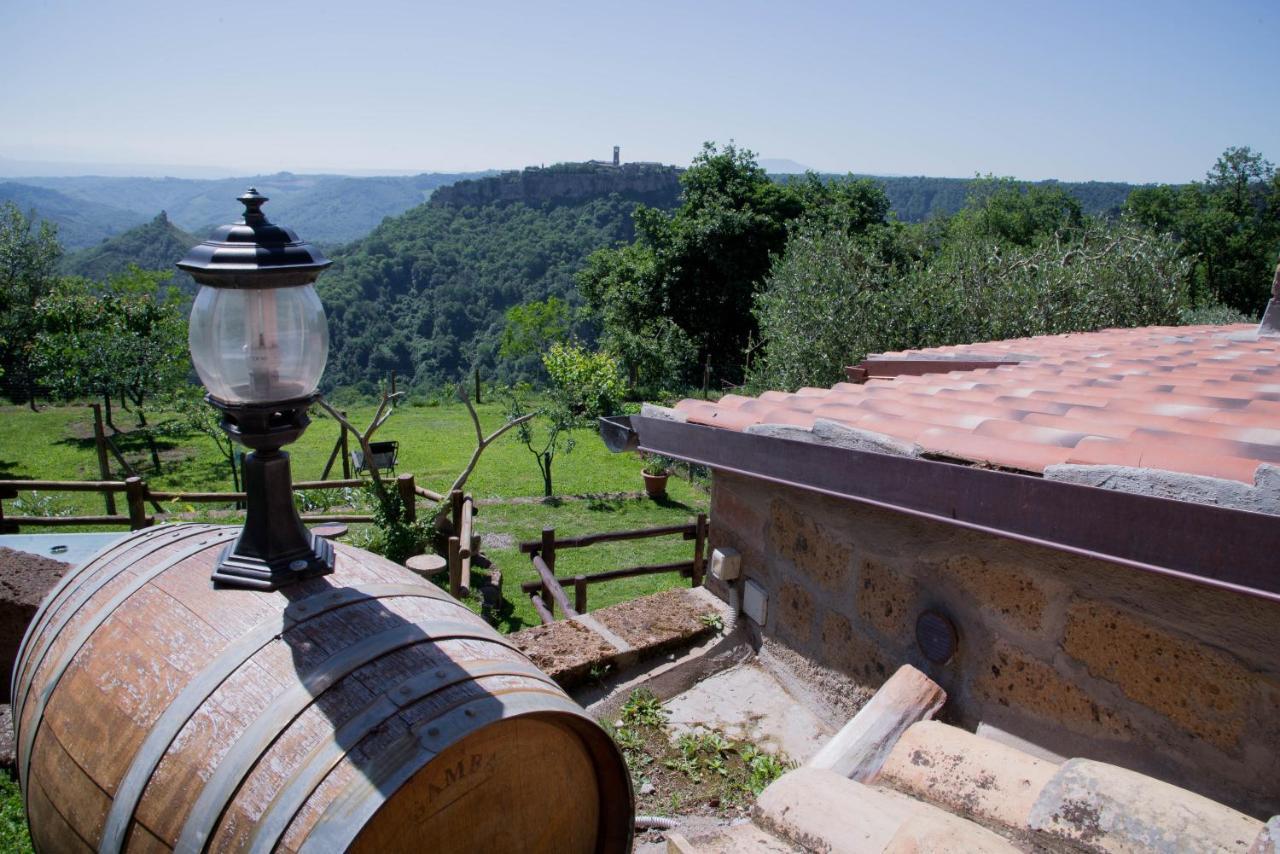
point(366, 710)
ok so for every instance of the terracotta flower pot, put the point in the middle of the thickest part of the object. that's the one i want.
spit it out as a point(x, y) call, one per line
point(655, 484)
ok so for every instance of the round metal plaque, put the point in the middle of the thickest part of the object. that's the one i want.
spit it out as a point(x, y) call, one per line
point(936, 636)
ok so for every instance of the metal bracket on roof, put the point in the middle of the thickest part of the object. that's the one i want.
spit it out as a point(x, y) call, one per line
point(1217, 546)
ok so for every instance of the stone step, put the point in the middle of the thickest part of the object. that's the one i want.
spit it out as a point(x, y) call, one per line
point(820, 810)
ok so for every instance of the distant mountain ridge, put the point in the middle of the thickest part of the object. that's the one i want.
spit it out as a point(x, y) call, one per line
point(652, 183)
point(156, 245)
point(325, 209)
point(80, 222)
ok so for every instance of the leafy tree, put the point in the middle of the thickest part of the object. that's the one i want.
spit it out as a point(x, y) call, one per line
point(1228, 225)
point(193, 414)
point(833, 298)
point(120, 340)
point(588, 384)
point(698, 268)
point(1009, 211)
point(555, 436)
point(28, 271)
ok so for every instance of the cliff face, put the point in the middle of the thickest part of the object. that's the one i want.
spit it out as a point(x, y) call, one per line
point(651, 183)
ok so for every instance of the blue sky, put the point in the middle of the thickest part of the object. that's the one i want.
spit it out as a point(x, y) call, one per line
point(1134, 91)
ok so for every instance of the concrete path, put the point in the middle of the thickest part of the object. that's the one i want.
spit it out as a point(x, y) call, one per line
point(747, 703)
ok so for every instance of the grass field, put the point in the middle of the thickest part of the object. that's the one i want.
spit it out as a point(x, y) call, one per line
point(435, 443)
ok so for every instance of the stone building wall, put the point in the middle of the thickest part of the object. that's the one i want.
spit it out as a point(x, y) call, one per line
point(1083, 657)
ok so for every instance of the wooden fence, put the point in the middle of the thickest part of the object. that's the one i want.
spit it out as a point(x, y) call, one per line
point(464, 545)
point(548, 592)
point(137, 494)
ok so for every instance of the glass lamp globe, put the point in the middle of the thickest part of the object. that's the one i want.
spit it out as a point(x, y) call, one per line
point(259, 345)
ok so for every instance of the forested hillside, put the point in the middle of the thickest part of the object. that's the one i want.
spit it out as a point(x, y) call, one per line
point(80, 222)
point(325, 209)
point(425, 293)
point(156, 245)
point(915, 199)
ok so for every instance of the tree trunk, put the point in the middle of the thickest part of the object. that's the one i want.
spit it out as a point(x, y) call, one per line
point(544, 463)
point(106, 412)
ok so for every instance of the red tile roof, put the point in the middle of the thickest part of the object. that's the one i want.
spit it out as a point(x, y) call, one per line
point(1201, 400)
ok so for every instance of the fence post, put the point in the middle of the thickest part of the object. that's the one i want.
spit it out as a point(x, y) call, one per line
point(549, 558)
point(477, 377)
point(135, 493)
point(408, 497)
point(346, 455)
point(455, 569)
point(580, 594)
point(104, 467)
point(7, 527)
point(455, 508)
point(699, 546)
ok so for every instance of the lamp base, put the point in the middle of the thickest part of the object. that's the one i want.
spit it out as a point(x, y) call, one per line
point(274, 549)
point(256, 573)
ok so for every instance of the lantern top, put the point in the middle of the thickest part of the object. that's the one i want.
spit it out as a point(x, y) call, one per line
point(254, 253)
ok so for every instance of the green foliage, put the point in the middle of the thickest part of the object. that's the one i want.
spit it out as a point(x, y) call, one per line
point(397, 538)
point(1229, 227)
point(79, 222)
point(643, 708)
point(697, 269)
point(29, 259)
point(426, 294)
point(588, 384)
point(657, 464)
point(832, 298)
point(532, 327)
point(547, 435)
point(120, 340)
point(156, 245)
point(14, 835)
point(1002, 210)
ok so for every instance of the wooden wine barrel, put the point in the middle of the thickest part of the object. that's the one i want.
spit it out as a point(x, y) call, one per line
point(366, 710)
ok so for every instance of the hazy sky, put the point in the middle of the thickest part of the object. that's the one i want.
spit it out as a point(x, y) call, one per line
point(1136, 91)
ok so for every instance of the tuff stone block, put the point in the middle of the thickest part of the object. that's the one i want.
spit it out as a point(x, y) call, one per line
point(852, 653)
point(885, 599)
point(1007, 591)
point(1203, 691)
point(799, 538)
point(1014, 679)
point(794, 614)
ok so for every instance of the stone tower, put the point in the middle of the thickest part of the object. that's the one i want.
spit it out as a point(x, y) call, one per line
point(617, 155)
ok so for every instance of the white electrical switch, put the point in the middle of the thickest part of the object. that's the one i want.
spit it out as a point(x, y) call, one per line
point(726, 563)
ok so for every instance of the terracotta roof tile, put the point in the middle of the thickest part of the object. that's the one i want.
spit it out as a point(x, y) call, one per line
point(1195, 399)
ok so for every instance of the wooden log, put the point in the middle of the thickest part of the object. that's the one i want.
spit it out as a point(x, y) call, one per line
point(548, 553)
point(689, 532)
point(580, 593)
point(104, 465)
point(66, 485)
point(683, 566)
point(699, 547)
point(337, 517)
point(428, 494)
point(408, 497)
point(329, 484)
point(863, 744)
point(464, 530)
point(135, 492)
point(374, 660)
point(543, 614)
point(70, 521)
point(455, 568)
point(346, 452)
point(455, 510)
point(551, 585)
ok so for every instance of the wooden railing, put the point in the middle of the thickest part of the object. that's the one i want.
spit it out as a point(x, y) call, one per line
point(547, 593)
point(464, 546)
point(137, 494)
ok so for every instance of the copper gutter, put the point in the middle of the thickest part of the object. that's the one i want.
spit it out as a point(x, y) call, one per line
point(1230, 549)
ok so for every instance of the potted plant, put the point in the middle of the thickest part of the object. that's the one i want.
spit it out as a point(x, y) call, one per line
point(656, 470)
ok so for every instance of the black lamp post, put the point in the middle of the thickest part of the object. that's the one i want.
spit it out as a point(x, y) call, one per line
point(259, 341)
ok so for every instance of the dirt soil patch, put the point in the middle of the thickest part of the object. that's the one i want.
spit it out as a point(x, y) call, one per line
point(564, 650)
point(670, 617)
point(24, 580)
point(701, 774)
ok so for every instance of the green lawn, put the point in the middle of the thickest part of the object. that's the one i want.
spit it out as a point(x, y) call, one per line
point(435, 443)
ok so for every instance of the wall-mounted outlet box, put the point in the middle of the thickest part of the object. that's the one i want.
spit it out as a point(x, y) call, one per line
point(726, 563)
point(755, 602)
